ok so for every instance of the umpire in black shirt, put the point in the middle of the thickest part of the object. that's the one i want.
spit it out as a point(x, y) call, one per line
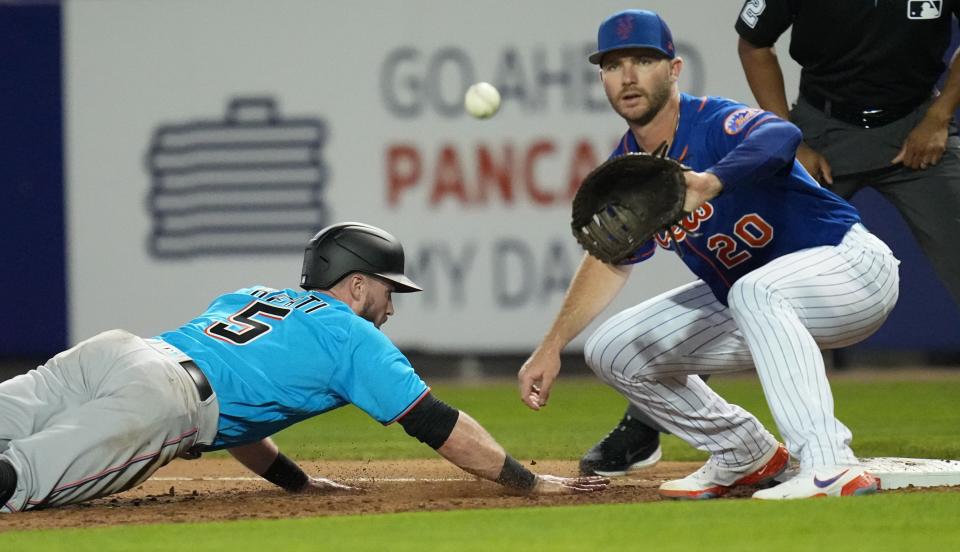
point(868, 106)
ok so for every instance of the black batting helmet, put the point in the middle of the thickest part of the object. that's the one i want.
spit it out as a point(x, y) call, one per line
point(349, 247)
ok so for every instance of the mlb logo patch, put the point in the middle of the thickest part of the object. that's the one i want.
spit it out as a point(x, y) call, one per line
point(924, 9)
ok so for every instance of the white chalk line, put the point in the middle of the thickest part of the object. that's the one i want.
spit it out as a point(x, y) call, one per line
point(354, 479)
point(621, 482)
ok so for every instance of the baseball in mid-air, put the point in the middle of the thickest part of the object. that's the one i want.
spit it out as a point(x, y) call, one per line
point(482, 100)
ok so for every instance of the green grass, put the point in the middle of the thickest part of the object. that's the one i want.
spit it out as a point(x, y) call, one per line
point(922, 521)
point(888, 418)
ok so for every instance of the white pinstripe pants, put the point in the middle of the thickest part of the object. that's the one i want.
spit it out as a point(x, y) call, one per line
point(778, 319)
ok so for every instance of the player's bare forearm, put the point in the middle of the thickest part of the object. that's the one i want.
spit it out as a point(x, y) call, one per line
point(258, 456)
point(593, 287)
point(473, 449)
point(264, 459)
point(765, 77)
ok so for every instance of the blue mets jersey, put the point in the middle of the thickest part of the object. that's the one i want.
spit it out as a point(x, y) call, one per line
point(769, 207)
point(276, 357)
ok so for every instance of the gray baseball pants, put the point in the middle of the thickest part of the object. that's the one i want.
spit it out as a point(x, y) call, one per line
point(98, 419)
point(928, 199)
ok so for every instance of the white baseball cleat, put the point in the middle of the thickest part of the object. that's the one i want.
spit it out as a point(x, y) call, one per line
point(711, 481)
point(824, 481)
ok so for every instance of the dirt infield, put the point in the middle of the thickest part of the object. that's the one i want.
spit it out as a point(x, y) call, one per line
point(221, 490)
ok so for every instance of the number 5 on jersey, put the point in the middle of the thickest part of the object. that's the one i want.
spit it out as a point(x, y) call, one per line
point(243, 328)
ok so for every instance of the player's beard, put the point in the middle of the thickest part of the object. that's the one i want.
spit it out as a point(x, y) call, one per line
point(367, 312)
point(657, 98)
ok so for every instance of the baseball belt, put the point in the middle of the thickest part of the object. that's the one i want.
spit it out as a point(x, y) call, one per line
point(199, 379)
point(858, 116)
point(196, 374)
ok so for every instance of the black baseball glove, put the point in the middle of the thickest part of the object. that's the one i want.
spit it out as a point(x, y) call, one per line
point(625, 201)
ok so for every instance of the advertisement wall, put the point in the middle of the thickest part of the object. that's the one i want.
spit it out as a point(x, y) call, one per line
point(206, 145)
point(156, 154)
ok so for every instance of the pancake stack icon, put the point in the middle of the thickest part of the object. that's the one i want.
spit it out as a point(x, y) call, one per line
point(251, 183)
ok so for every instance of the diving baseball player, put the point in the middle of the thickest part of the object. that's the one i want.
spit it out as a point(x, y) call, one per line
point(101, 417)
point(785, 269)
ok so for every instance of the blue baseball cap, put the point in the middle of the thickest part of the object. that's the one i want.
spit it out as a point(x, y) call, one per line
point(633, 29)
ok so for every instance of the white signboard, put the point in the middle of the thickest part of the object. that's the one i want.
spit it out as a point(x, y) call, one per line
point(207, 141)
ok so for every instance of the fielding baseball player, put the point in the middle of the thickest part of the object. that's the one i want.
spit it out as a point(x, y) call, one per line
point(785, 268)
point(101, 417)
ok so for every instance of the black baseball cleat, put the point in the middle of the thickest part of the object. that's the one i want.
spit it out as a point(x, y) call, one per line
point(8, 481)
point(630, 446)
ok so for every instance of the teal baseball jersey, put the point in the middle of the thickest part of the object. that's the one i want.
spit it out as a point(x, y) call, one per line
point(276, 357)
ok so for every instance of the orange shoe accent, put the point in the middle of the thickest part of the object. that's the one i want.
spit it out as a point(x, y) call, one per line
point(712, 492)
point(862, 484)
point(774, 467)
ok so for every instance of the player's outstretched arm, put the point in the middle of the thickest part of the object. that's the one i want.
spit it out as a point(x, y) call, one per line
point(593, 288)
point(465, 443)
point(264, 459)
point(472, 448)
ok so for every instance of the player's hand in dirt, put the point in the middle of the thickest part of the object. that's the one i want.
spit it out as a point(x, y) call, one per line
point(536, 377)
point(552, 484)
point(321, 485)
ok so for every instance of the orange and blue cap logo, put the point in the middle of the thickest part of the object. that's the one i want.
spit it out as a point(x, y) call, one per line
point(625, 27)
